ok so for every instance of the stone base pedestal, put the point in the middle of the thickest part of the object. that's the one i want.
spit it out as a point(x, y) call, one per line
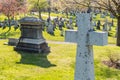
point(28, 45)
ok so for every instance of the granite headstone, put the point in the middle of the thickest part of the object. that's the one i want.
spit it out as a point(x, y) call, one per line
point(31, 38)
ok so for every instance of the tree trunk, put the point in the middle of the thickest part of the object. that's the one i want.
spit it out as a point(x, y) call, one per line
point(40, 17)
point(118, 32)
point(9, 24)
point(49, 12)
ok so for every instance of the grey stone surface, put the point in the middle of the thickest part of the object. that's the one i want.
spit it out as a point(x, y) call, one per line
point(71, 36)
point(102, 15)
point(50, 28)
point(31, 38)
point(85, 39)
point(98, 38)
point(12, 41)
point(31, 20)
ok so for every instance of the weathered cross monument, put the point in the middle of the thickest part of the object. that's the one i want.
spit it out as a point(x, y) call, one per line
point(85, 38)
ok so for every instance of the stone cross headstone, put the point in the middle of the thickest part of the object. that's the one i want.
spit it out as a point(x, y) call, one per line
point(98, 24)
point(112, 16)
point(102, 15)
point(105, 25)
point(85, 39)
point(50, 28)
point(110, 26)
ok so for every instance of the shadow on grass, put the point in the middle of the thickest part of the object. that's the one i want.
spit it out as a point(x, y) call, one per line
point(35, 59)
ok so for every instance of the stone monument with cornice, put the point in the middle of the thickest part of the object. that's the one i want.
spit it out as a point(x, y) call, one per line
point(31, 38)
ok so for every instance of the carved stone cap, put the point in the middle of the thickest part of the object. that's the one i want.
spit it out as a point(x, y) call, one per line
point(30, 21)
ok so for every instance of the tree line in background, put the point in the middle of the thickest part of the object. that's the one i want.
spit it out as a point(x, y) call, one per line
point(10, 8)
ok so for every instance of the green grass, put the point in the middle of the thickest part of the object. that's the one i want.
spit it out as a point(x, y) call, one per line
point(16, 34)
point(102, 71)
point(11, 34)
point(55, 14)
point(24, 66)
point(58, 65)
point(2, 17)
point(111, 40)
point(56, 37)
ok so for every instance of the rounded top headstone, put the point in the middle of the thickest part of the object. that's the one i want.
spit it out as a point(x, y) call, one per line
point(30, 21)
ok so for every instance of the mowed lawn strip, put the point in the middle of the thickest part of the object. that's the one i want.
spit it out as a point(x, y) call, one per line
point(58, 65)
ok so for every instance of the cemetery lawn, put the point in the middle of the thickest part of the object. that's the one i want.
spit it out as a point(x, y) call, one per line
point(56, 37)
point(58, 65)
